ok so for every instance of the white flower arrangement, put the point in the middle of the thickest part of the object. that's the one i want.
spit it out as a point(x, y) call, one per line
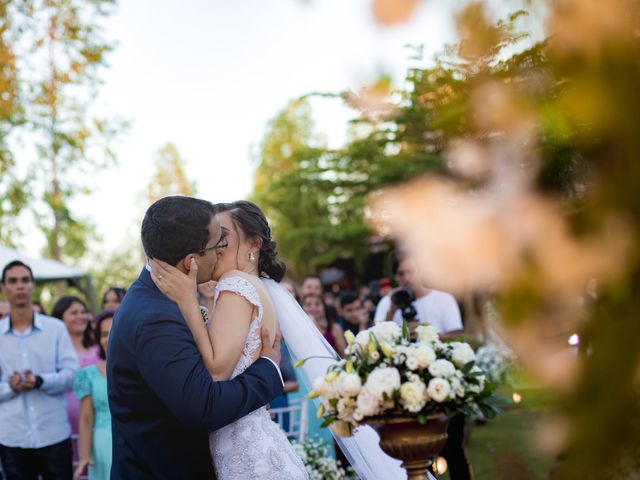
point(318, 464)
point(386, 374)
point(497, 361)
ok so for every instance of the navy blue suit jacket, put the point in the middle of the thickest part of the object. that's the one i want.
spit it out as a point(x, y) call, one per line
point(163, 401)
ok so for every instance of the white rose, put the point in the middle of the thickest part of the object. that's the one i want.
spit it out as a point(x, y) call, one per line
point(357, 415)
point(348, 384)
point(375, 355)
point(413, 396)
point(462, 354)
point(425, 355)
point(367, 403)
point(388, 332)
point(320, 386)
point(427, 333)
point(362, 339)
point(412, 362)
point(439, 389)
point(383, 380)
point(442, 368)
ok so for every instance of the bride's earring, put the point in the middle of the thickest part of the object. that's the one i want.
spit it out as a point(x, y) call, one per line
point(252, 257)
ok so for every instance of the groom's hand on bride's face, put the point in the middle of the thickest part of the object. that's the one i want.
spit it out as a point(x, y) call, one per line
point(271, 350)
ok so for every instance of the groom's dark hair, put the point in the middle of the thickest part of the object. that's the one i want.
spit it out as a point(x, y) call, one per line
point(176, 226)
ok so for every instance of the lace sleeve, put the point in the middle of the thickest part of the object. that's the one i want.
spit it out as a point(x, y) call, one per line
point(82, 384)
point(242, 287)
point(248, 291)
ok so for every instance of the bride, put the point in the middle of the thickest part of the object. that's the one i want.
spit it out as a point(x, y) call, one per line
point(247, 295)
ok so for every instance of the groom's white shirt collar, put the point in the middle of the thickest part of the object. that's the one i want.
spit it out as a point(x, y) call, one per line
point(148, 267)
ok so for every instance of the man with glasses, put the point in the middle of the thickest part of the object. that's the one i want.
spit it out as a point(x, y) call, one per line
point(207, 290)
point(163, 401)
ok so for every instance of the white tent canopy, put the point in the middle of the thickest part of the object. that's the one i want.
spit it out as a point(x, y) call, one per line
point(43, 268)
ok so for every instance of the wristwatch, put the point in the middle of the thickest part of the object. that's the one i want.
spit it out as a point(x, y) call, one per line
point(39, 381)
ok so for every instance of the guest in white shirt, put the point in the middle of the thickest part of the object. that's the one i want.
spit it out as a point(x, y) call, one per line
point(438, 308)
point(37, 366)
point(402, 269)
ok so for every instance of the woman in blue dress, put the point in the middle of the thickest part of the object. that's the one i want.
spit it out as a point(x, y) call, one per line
point(90, 386)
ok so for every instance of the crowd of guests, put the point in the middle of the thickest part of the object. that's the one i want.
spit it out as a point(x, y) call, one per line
point(53, 388)
point(52, 367)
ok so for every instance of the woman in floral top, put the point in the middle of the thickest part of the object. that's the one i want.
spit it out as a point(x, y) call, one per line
point(95, 420)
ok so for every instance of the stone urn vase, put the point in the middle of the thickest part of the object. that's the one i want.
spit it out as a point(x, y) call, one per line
point(415, 444)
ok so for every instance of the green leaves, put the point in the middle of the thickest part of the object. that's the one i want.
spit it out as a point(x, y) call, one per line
point(491, 405)
point(328, 421)
point(51, 56)
point(308, 190)
point(466, 369)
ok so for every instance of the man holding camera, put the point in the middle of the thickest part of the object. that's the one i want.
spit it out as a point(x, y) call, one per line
point(416, 304)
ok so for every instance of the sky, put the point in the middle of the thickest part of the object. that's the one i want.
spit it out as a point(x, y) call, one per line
point(208, 76)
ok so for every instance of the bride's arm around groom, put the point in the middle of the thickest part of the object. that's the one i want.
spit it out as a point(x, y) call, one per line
point(163, 400)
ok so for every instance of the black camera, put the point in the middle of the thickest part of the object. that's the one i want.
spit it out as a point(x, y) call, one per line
point(403, 299)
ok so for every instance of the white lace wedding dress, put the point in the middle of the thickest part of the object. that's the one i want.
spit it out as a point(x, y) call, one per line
point(254, 446)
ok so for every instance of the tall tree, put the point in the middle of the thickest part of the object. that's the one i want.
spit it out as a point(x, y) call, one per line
point(67, 52)
point(316, 196)
point(290, 185)
point(169, 177)
point(13, 194)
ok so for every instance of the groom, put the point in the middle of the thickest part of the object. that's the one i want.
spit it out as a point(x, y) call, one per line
point(163, 401)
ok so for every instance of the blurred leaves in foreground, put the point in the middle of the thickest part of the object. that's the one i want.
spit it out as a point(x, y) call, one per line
point(537, 229)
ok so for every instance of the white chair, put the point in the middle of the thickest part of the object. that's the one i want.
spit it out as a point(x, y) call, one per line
point(297, 411)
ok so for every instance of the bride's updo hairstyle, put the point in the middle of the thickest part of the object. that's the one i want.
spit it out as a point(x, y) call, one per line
point(248, 217)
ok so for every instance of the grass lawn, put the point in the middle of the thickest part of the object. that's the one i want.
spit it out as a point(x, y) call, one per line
point(504, 448)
